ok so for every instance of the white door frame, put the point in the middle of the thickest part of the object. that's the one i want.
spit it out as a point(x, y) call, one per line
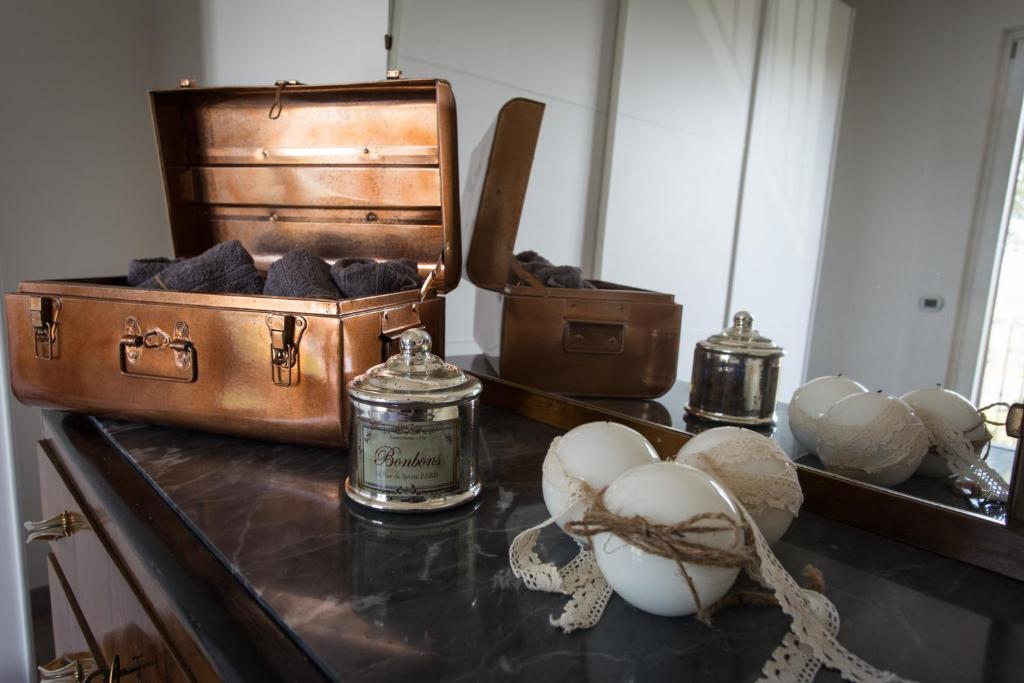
point(981, 271)
point(16, 659)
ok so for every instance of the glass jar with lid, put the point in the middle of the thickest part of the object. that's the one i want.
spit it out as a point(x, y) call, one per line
point(413, 439)
point(735, 376)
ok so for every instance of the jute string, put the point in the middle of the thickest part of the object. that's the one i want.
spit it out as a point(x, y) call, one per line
point(676, 542)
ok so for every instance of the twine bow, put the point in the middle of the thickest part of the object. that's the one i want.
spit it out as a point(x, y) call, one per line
point(676, 542)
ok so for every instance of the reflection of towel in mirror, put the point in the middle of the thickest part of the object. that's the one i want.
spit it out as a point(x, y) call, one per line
point(141, 269)
point(568, 277)
point(302, 274)
point(365, 277)
point(226, 268)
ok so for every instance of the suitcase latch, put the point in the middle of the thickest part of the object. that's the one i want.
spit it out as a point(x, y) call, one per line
point(44, 311)
point(285, 335)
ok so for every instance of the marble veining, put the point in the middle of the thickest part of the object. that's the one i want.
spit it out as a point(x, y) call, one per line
point(377, 596)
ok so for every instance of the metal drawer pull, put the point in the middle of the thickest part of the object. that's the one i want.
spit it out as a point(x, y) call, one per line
point(75, 668)
point(56, 527)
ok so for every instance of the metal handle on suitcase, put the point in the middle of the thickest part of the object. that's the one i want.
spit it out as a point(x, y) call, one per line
point(156, 354)
point(593, 336)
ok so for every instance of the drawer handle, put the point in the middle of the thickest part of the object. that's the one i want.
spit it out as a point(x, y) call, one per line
point(56, 527)
point(75, 668)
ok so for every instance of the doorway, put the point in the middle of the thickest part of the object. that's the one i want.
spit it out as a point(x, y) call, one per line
point(1002, 368)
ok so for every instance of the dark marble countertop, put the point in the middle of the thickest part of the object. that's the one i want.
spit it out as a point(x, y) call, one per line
point(376, 597)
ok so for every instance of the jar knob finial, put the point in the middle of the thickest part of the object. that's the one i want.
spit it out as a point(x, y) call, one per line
point(743, 321)
point(415, 342)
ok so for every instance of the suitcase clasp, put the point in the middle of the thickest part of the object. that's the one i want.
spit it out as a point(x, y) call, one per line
point(44, 312)
point(285, 335)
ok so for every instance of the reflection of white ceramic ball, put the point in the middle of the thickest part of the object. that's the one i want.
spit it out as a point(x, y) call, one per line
point(956, 411)
point(664, 493)
point(872, 437)
point(595, 453)
point(810, 403)
point(761, 456)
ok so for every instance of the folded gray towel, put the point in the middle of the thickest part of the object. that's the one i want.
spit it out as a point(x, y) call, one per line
point(568, 277)
point(302, 274)
point(224, 268)
point(141, 269)
point(357, 277)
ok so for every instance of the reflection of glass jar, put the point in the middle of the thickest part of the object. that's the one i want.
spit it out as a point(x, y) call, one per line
point(404, 576)
point(422, 552)
point(413, 440)
point(735, 376)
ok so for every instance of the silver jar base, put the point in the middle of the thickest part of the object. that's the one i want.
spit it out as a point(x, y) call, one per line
point(387, 503)
point(733, 419)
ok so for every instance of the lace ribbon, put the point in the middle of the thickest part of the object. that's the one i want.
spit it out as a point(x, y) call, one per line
point(758, 492)
point(958, 452)
point(581, 579)
point(895, 433)
point(812, 639)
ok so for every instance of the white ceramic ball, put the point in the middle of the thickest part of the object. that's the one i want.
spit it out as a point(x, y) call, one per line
point(773, 522)
point(710, 438)
point(595, 453)
point(955, 410)
point(875, 444)
point(664, 493)
point(810, 403)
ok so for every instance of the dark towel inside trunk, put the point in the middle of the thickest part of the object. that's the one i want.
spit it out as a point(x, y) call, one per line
point(357, 277)
point(301, 274)
point(140, 270)
point(568, 277)
point(224, 268)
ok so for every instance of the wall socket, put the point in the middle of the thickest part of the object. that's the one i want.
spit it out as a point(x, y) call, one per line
point(931, 303)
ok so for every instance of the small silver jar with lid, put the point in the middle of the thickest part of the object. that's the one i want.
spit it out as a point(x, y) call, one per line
point(413, 441)
point(735, 376)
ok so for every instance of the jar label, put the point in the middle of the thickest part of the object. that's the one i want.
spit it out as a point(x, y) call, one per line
point(407, 458)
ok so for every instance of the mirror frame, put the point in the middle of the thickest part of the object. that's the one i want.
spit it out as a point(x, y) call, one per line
point(966, 536)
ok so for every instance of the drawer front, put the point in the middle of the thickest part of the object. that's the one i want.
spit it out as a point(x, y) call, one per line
point(71, 636)
point(110, 608)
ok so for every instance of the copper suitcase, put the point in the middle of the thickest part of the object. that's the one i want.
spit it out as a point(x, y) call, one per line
point(367, 170)
point(611, 341)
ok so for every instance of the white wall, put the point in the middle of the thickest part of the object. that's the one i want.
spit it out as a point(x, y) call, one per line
point(688, 210)
point(256, 42)
point(556, 52)
point(788, 173)
point(914, 123)
point(677, 156)
point(80, 192)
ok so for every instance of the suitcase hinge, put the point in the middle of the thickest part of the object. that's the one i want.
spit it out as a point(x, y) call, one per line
point(285, 335)
point(45, 311)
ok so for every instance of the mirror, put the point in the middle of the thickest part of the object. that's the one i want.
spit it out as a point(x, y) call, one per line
point(846, 170)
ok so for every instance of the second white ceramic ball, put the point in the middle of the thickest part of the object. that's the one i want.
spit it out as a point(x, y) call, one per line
point(595, 453)
point(861, 435)
point(810, 403)
point(770, 461)
point(955, 410)
point(664, 493)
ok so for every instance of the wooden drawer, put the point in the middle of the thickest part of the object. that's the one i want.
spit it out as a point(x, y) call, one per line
point(113, 611)
point(72, 639)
